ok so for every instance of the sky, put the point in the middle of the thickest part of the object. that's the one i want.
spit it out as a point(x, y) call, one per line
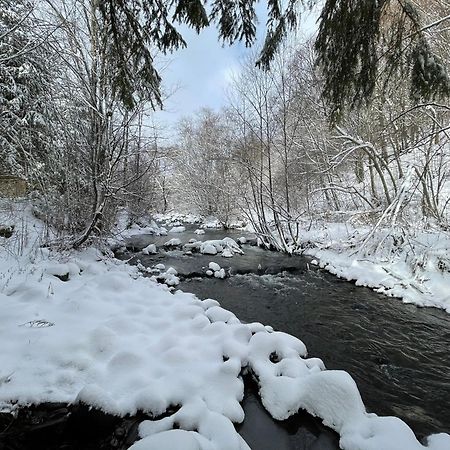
point(198, 76)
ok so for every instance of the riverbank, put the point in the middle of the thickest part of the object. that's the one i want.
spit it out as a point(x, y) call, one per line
point(412, 265)
point(82, 327)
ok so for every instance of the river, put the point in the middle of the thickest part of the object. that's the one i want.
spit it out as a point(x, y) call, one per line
point(398, 354)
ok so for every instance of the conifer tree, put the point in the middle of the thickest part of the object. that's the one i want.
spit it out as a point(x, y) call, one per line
point(23, 82)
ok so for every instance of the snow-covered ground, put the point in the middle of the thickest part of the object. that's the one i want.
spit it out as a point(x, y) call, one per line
point(84, 327)
point(413, 266)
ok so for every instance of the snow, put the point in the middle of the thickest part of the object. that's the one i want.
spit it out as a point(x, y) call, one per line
point(418, 272)
point(171, 271)
point(123, 229)
point(227, 253)
point(214, 266)
point(150, 250)
point(208, 249)
point(199, 231)
point(226, 245)
point(177, 229)
point(174, 242)
point(122, 343)
point(173, 218)
point(219, 274)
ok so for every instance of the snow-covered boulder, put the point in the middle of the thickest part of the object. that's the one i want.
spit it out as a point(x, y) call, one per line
point(171, 271)
point(208, 249)
point(160, 267)
point(242, 240)
point(177, 230)
point(174, 242)
point(227, 253)
point(220, 246)
point(199, 231)
point(150, 250)
point(169, 277)
point(214, 266)
point(220, 274)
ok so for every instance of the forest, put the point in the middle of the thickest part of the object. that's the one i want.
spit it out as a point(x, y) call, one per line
point(289, 145)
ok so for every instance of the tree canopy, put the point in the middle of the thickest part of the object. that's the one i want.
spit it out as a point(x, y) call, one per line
point(356, 41)
point(362, 41)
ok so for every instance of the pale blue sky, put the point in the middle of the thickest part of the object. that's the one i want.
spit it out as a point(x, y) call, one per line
point(199, 74)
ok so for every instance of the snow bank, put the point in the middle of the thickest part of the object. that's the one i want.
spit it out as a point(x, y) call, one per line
point(124, 228)
point(417, 271)
point(174, 218)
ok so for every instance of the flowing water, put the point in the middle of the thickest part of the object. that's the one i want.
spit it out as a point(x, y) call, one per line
point(398, 354)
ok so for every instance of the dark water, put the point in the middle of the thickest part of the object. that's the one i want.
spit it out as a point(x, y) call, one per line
point(398, 354)
point(299, 432)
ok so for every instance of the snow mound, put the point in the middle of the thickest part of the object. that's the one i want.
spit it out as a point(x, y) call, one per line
point(219, 274)
point(212, 247)
point(199, 231)
point(208, 249)
point(214, 266)
point(174, 242)
point(150, 250)
point(227, 253)
point(177, 229)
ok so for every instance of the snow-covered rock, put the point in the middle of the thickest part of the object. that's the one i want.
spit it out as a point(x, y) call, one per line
point(160, 266)
point(210, 273)
point(177, 229)
point(219, 274)
point(199, 231)
point(208, 249)
point(227, 253)
point(174, 242)
point(150, 250)
point(214, 266)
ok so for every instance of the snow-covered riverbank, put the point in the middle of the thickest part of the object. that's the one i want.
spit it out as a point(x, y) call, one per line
point(415, 268)
point(84, 327)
